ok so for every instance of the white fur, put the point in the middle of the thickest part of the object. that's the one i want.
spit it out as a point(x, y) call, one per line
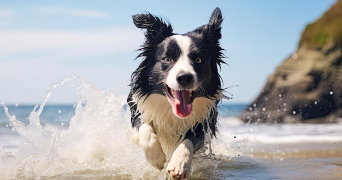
point(182, 65)
point(153, 152)
point(180, 162)
point(157, 111)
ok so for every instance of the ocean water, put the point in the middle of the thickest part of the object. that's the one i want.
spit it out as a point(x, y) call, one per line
point(91, 140)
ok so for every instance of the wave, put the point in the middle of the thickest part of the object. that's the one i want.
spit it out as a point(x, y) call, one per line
point(234, 130)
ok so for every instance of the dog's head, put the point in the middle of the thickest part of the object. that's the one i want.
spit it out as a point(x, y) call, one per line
point(181, 67)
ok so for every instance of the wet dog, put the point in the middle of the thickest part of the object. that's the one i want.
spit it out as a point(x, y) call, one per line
point(175, 91)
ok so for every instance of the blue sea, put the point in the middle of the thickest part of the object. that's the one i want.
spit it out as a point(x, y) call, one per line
point(90, 139)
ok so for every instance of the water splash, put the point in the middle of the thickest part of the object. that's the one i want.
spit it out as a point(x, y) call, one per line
point(95, 141)
point(96, 145)
point(34, 149)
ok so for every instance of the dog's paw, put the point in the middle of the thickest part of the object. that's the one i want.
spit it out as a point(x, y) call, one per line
point(154, 153)
point(180, 163)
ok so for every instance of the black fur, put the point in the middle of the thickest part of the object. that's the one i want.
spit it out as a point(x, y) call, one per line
point(147, 78)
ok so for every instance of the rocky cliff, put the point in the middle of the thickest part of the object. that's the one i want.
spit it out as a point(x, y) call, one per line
point(307, 86)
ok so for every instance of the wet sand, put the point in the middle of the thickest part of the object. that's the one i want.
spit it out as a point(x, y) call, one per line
point(285, 161)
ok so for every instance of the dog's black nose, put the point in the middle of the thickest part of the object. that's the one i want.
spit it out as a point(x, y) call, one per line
point(185, 79)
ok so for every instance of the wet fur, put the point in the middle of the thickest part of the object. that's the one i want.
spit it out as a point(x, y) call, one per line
point(164, 136)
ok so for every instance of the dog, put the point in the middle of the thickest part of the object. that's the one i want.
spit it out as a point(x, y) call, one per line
point(175, 91)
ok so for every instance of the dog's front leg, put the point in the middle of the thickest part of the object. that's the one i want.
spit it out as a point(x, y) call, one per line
point(153, 151)
point(180, 162)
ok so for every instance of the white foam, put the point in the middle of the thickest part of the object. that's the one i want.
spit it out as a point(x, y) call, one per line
point(97, 141)
point(292, 139)
point(234, 135)
point(279, 133)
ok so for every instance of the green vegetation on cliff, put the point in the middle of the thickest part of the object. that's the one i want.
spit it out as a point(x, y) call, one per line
point(326, 29)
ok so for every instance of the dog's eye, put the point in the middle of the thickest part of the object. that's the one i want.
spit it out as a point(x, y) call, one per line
point(198, 60)
point(167, 59)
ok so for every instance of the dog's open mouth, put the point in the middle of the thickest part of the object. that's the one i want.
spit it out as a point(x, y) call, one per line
point(180, 101)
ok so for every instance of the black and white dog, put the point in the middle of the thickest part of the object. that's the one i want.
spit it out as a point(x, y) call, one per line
point(175, 91)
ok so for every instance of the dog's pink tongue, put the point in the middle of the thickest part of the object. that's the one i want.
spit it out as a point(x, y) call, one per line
point(183, 106)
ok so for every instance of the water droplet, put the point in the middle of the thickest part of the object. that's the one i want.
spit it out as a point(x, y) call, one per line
point(30, 90)
point(331, 93)
point(250, 108)
point(293, 112)
point(284, 104)
point(16, 104)
point(279, 95)
point(315, 102)
point(251, 129)
point(284, 109)
point(254, 105)
point(59, 111)
point(62, 124)
point(263, 109)
point(6, 125)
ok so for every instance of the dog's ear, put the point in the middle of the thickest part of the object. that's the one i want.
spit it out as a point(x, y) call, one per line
point(156, 28)
point(211, 34)
point(216, 18)
point(214, 25)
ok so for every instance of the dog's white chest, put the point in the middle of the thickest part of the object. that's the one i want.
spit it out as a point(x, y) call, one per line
point(170, 129)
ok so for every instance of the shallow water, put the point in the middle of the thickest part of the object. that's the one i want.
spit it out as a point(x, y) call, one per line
point(90, 140)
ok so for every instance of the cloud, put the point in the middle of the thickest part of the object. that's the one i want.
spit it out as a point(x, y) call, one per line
point(69, 43)
point(5, 12)
point(74, 12)
point(3, 23)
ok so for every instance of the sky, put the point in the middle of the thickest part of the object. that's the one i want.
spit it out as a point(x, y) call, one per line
point(44, 42)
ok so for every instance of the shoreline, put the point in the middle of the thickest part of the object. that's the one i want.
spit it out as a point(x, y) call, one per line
point(285, 161)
